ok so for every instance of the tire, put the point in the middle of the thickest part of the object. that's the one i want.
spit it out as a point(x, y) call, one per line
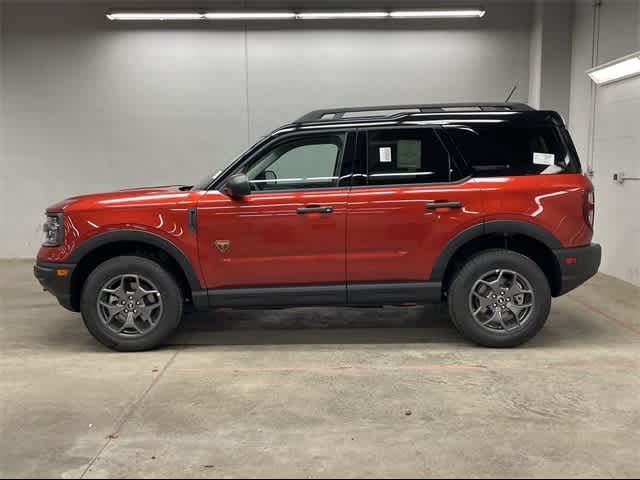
point(514, 323)
point(131, 279)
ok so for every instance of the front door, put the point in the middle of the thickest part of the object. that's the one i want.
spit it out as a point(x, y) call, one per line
point(284, 243)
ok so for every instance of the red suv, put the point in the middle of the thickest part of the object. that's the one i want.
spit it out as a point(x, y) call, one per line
point(480, 205)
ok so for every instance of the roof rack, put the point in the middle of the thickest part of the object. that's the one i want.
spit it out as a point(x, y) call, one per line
point(392, 111)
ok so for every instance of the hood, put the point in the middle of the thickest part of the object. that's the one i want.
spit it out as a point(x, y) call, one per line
point(131, 196)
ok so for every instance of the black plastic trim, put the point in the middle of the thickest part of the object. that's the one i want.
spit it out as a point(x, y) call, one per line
point(386, 293)
point(192, 219)
point(447, 253)
point(59, 287)
point(142, 237)
point(491, 227)
point(586, 266)
point(369, 293)
point(200, 299)
point(283, 296)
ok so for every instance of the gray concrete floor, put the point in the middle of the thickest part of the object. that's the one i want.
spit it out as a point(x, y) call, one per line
point(321, 392)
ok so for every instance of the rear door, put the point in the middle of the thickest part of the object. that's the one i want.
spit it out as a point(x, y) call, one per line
point(412, 199)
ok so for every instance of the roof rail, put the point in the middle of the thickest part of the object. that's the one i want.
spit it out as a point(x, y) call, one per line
point(386, 111)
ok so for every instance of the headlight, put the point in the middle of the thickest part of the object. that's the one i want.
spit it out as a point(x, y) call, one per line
point(52, 230)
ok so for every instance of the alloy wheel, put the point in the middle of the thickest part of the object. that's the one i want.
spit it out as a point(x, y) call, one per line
point(501, 300)
point(129, 305)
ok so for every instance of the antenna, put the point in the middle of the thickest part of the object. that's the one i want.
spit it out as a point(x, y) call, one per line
point(513, 90)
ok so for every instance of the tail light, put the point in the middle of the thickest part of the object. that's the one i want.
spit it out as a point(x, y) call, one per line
point(589, 205)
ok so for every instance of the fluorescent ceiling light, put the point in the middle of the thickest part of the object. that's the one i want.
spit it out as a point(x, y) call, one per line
point(458, 13)
point(462, 13)
point(154, 16)
point(249, 15)
point(330, 15)
point(619, 69)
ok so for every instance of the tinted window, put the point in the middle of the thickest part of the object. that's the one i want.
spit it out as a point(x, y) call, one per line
point(309, 162)
point(401, 156)
point(508, 151)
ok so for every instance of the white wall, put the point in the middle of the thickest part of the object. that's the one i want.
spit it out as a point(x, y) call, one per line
point(616, 134)
point(3, 170)
point(95, 105)
point(550, 55)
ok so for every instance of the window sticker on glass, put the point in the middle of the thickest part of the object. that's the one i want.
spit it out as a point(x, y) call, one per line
point(409, 154)
point(385, 154)
point(544, 158)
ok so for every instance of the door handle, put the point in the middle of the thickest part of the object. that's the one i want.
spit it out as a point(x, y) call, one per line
point(442, 204)
point(314, 209)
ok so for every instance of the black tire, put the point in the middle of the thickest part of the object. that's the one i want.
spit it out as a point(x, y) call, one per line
point(478, 266)
point(169, 292)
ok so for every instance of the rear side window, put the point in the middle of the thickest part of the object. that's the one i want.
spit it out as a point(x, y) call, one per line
point(405, 156)
point(511, 151)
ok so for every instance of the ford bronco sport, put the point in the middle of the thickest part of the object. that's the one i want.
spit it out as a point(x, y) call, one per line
point(483, 206)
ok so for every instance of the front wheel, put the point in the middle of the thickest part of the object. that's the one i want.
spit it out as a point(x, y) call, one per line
point(500, 298)
point(131, 303)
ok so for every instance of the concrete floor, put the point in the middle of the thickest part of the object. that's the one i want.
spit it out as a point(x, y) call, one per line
point(320, 393)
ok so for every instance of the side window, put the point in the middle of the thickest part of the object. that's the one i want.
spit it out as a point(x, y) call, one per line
point(511, 151)
point(306, 162)
point(402, 156)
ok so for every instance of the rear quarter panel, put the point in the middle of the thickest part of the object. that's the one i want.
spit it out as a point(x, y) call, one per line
point(554, 202)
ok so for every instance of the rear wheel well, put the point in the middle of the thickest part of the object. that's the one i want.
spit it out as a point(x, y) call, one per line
point(527, 246)
point(94, 258)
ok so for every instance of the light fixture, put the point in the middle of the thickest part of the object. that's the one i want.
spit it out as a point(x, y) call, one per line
point(249, 15)
point(317, 15)
point(338, 15)
point(154, 16)
point(619, 69)
point(462, 13)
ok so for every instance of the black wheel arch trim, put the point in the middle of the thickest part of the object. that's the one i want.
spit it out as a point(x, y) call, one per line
point(139, 236)
point(519, 227)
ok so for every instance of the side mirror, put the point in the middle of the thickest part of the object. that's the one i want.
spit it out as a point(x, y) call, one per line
point(238, 186)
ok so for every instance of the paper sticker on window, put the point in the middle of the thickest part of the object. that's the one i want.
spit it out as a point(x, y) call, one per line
point(544, 158)
point(409, 154)
point(385, 154)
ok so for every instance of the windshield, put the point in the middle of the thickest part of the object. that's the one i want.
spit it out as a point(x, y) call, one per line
point(206, 181)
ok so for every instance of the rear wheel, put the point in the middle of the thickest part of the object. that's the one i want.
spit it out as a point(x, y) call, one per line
point(499, 298)
point(131, 303)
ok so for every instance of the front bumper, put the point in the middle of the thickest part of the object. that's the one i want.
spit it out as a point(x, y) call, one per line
point(577, 265)
point(58, 285)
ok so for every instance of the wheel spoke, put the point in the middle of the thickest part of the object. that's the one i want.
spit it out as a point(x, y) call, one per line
point(483, 301)
point(493, 318)
point(502, 322)
point(129, 323)
point(112, 310)
point(517, 309)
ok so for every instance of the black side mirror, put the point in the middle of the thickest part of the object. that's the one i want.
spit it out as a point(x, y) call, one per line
point(238, 186)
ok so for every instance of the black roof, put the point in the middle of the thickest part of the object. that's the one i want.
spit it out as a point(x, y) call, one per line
point(423, 114)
